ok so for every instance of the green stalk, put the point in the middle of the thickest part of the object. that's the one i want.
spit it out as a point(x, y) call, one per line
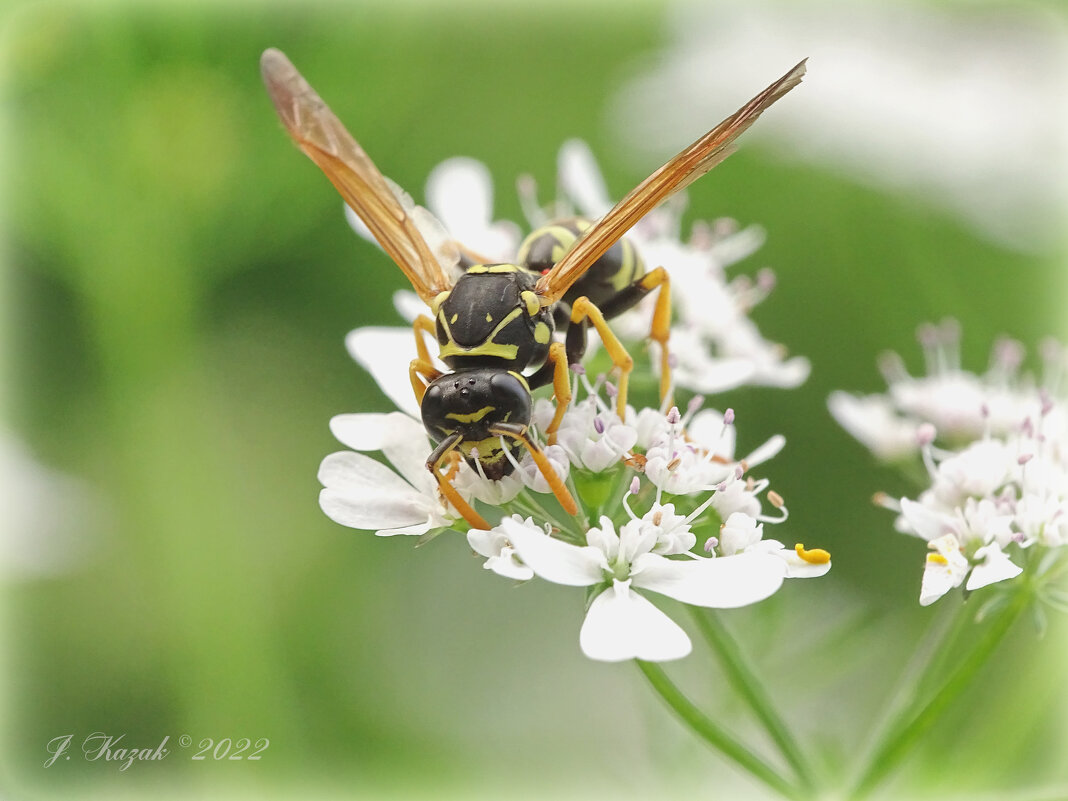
point(941, 635)
point(897, 746)
point(743, 679)
point(717, 737)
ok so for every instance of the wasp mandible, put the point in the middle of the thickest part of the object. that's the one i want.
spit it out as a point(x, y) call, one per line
point(497, 320)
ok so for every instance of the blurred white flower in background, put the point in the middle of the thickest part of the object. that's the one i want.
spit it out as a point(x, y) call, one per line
point(995, 449)
point(960, 106)
point(48, 520)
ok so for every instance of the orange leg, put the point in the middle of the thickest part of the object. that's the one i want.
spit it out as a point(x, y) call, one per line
point(583, 309)
point(433, 464)
point(421, 373)
point(561, 387)
point(661, 328)
point(519, 434)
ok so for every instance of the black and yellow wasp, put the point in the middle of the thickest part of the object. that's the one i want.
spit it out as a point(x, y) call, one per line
point(495, 321)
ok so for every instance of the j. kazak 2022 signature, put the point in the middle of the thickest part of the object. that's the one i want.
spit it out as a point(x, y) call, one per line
point(102, 747)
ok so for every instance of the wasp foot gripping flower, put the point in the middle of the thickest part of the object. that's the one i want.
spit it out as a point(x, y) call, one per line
point(998, 502)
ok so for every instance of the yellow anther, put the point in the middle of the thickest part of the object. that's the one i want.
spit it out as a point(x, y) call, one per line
point(816, 556)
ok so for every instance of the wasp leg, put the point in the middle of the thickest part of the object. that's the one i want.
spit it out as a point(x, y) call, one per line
point(519, 434)
point(423, 324)
point(628, 297)
point(433, 464)
point(556, 364)
point(582, 310)
point(419, 370)
point(422, 364)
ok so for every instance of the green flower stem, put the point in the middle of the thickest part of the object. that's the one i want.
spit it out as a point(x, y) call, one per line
point(719, 738)
point(899, 743)
point(743, 679)
point(931, 652)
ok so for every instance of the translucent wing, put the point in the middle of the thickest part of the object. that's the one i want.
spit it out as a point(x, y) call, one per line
point(371, 195)
point(681, 171)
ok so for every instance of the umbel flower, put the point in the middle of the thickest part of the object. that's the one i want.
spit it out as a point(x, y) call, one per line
point(997, 499)
point(608, 547)
point(664, 506)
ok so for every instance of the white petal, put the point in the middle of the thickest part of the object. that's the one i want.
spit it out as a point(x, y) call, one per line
point(408, 304)
point(363, 493)
point(389, 511)
point(622, 625)
point(928, 524)
point(938, 579)
point(724, 582)
point(507, 564)
point(386, 353)
point(766, 451)
point(373, 432)
point(581, 179)
point(460, 192)
point(554, 560)
point(996, 566)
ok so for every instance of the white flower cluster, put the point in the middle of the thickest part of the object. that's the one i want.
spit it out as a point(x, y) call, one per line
point(647, 483)
point(715, 345)
point(961, 406)
point(1001, 491)
point(680, 471)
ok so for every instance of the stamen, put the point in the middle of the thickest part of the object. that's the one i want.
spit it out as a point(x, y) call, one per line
point(710, 544)
point(775, 499)
point(815, 556)
point(478, 463)
point(673, 416)
point(886, 502)
point(728, 417)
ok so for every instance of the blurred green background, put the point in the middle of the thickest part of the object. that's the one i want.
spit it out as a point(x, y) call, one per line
point(178, 282)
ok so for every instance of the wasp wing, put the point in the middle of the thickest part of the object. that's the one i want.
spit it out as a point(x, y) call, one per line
point(681, 171)
point(370, 194)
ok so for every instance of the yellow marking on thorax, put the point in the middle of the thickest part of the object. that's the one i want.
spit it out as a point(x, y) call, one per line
point(473, 417)
point(530, 300)
point(487, 347)
point(435, 304)
point(542, 334)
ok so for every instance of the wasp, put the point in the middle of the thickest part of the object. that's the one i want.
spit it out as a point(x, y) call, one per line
point(495, 321)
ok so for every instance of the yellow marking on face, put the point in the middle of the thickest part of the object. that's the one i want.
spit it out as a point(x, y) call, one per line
point(478, 269)
point(489, 449)
point(542, 334)
point(473, 417)
point(531, 301)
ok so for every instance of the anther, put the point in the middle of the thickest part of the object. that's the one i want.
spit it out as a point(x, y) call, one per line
point(728, 417)
point(815, 556)
point(710, 544)
point(775, 499)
